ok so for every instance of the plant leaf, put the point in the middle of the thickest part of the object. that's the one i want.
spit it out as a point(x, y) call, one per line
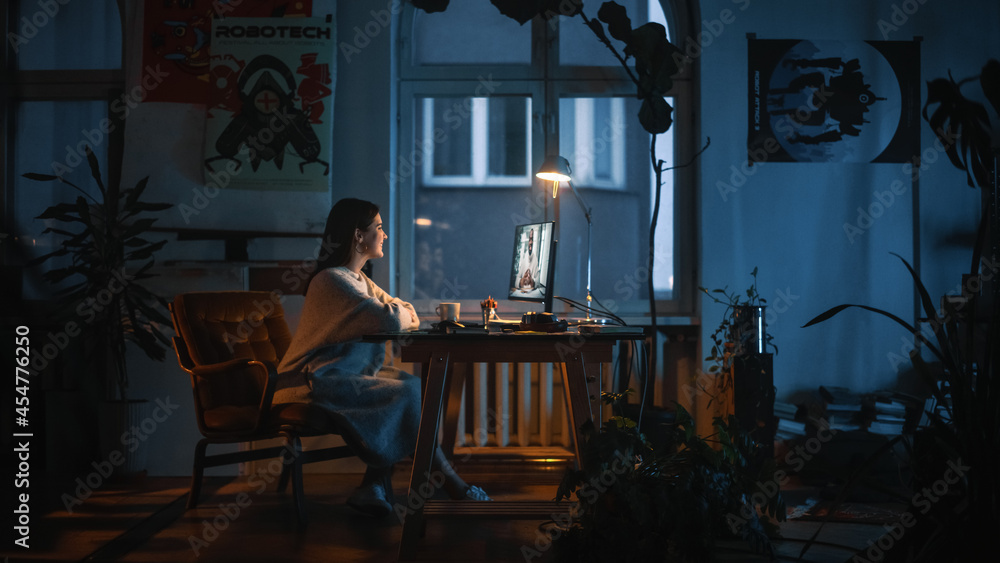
point(616, 17)
point(40, 177)
point(655, 114)
point(95, 169)
point(989, 80)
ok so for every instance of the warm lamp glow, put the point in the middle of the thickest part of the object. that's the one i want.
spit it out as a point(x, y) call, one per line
point(555, 169)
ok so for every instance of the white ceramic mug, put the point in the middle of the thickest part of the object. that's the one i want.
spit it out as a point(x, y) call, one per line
point(448, 311)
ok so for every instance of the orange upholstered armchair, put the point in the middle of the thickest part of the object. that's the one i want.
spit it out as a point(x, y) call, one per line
point(230, 342)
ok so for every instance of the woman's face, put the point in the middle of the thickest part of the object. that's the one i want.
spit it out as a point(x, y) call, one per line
point(373, 237)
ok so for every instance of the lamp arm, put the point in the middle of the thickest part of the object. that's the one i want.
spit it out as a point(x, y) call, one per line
point(579, 199)
point(590, 228)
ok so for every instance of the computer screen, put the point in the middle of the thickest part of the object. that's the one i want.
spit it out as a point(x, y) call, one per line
point(533, 265)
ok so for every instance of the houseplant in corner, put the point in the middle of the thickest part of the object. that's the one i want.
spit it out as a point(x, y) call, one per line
point(108, 258)
point(677, 500)
point(952, 513)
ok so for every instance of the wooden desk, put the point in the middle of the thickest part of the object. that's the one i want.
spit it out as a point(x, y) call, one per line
point(578, 355)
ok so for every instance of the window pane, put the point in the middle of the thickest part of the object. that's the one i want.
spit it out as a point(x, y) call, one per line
point(469, 33)
point(663, 267)
point(49, 141)
point(602, 140)
point(474, 141)
point(578, 46)
point(592, 133)
point(450, 136)
point(44, 30)
point(507, 135)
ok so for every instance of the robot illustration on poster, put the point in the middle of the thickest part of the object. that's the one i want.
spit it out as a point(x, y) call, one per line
point(268, 120)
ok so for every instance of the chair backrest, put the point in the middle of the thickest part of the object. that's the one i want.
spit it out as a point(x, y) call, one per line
point(217, 326)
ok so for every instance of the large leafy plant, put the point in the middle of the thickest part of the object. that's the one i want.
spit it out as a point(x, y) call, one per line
point(955, 453)
point(672, 500)
point(962, 126)
point(956, 357)
point(103, 238)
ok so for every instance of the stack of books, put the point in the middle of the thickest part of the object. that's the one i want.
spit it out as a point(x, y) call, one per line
point(790, 423)
point(844, 408)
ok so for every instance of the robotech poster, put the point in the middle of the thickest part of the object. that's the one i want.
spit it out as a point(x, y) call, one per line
point(833, 101)
point(270, 113)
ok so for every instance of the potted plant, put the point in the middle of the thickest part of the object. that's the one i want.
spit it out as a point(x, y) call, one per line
point(740, 345)
point(102, 235)
point(673, 500)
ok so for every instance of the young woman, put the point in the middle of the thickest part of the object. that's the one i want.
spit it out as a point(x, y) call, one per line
point(376, 407)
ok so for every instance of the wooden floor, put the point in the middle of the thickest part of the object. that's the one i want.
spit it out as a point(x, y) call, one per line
point(245, 520)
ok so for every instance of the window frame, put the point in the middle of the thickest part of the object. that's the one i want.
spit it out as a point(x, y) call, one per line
point(546, 76)
point(480, 174)
point(26, 86)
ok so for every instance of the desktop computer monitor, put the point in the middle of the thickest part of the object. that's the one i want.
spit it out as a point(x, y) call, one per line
point(533, 265)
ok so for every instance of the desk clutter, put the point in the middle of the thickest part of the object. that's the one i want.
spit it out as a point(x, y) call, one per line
point(531, 322)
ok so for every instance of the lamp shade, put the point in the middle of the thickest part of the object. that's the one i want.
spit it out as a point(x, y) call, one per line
point(555, 169)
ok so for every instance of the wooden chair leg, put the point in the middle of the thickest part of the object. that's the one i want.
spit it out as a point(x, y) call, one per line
point(286, 472)
point(293, 464)
point(197, 474)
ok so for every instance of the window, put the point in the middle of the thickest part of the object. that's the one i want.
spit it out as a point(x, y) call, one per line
point(57, 103)
point(476, 141)
point(481, 101)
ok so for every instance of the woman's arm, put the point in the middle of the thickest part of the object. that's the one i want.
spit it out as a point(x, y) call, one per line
point(395, 306)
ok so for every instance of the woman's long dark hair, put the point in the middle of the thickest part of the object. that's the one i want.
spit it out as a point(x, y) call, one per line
point(347, 215)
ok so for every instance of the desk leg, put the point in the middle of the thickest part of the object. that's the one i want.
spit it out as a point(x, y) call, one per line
point(577, 392)
point(423, 455)
point(449, 428)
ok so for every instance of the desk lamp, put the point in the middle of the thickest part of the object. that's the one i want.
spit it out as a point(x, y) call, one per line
point(556, 169)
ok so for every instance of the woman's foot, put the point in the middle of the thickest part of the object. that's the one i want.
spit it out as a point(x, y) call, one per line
point(475, 493)
point(371, 499)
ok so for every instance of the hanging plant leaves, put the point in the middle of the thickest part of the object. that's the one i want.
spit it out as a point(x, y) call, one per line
point(989, 79)
point(962, 126)
point(655, 114)
point(655, 62)
point(619, 24)
point(430, 6)
point(522, 11)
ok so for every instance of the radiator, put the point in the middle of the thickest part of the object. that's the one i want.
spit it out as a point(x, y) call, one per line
point(519, 405)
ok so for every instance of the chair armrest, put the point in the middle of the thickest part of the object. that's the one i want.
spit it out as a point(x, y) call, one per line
point(262, 375)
